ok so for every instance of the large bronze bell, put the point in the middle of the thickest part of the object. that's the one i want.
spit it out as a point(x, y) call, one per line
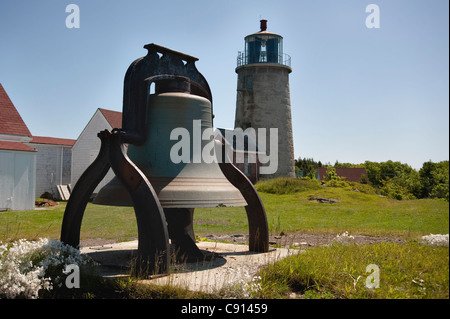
point(164, 191)
point(189, 184)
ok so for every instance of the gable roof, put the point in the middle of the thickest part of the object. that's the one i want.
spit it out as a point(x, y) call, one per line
point(350, 174)
point(114, 118)
point(15, 146)
point(52, 140)
point(11, 123)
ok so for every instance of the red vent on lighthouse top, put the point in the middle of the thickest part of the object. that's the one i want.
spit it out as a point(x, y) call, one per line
point(263, 25)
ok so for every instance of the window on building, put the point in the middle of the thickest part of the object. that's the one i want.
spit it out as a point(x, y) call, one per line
point(246, 166)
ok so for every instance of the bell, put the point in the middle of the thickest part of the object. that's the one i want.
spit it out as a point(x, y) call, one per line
point(190, 183)
point(183, 185)
point(162, 177)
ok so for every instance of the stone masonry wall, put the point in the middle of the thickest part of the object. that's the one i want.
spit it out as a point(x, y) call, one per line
point(263, 101)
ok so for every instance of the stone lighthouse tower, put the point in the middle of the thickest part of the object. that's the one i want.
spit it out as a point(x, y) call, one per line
point(263, 98)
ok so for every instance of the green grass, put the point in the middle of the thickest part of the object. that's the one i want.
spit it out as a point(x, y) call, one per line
point(406, 270)
point(339, 271)
point(356, 212)
point(109, 222)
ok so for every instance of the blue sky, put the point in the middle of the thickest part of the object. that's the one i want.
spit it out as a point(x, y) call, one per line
point(356, 93)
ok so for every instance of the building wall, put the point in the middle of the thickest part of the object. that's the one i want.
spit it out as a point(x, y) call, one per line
point(17, 180)
point(263, 101)
point(87, 147)
point(250, 167)
point(49, 173)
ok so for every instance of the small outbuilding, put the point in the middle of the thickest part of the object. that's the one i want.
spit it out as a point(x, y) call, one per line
point(53, 165)
point(17, 159)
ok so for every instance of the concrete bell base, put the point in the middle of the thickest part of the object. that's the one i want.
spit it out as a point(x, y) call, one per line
point(224, 264)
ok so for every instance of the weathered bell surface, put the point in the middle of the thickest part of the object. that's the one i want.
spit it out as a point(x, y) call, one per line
point(171, 157)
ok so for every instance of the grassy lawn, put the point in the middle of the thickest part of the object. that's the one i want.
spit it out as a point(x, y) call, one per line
point(107, 222)
point(356, 212)
point(409, 270)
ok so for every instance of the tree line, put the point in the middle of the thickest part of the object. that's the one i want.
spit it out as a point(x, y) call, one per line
point(393, 179)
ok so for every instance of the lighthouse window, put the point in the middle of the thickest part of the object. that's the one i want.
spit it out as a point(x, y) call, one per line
point(272, 50)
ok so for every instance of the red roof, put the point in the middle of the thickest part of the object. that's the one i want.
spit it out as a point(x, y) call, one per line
point(52, 140)
point(350, 174)
point(114, 118)
point(15, 146)
point(11, 122)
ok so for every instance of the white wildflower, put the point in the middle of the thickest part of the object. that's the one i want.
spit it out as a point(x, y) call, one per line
point(435, 240)
point(27, 266)
point(253, 287)
point(343, 238)
point(247, 285)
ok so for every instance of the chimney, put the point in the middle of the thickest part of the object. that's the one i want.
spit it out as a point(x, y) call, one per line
point(263, 25)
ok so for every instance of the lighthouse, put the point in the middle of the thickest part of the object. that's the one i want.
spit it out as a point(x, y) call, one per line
point(263, 97)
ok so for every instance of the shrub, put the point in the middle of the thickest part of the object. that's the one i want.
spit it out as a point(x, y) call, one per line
point(364, 179)
point(440, 191)
point(332, 176)
point(337, 183)
point(363, 188)
point(394, 190)
point(435, 180)
point(287, 185)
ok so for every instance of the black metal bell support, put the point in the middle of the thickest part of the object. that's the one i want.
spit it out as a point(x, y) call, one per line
point(256, 214)
point(153, 240)
point(156, 224)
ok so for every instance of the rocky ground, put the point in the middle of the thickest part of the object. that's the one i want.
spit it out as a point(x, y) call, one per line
point(297, 239)
point(305, 240)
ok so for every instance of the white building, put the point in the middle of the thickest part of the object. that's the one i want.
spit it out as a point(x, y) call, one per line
point(53, 164)
point(17, 160)
point(87, 146)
